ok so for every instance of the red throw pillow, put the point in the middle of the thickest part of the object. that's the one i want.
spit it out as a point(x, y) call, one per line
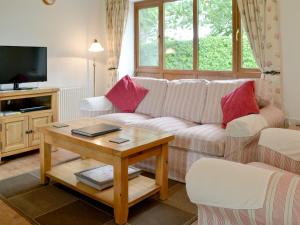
point(126, 94)
point(240, 102)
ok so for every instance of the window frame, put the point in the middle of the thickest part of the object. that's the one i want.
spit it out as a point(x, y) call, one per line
point(237, 70)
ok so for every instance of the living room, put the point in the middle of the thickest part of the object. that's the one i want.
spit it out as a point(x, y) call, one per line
point(155, 112)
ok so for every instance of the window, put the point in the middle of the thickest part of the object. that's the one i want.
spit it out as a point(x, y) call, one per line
point(178, 35)
point(248, 60)
point(197, 37)
point(148, 37)
point(215, 35)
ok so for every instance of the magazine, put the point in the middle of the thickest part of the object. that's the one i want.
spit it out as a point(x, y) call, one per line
point(102, 177)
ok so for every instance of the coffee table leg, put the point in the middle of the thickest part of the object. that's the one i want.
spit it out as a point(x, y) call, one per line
point(162, 172)
point(121, 190)
point(45, 159)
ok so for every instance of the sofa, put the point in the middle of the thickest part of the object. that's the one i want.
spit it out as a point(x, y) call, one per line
point(190, 109)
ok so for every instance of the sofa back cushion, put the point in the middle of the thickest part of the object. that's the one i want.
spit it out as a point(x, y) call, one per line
point(152, 104)
point(215, 91)
point(185, 99)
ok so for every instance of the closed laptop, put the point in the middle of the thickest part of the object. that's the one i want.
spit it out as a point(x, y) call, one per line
point(96, 130)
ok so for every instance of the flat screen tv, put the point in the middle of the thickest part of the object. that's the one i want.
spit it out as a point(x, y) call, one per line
point(22, 65)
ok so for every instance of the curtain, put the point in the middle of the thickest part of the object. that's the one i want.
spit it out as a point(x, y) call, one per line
point(261, 23)
point(116, 17)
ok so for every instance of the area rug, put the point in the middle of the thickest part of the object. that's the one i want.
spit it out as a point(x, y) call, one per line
point(55, 204)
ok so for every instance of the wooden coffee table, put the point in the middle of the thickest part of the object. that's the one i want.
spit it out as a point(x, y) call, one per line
point(99, 151)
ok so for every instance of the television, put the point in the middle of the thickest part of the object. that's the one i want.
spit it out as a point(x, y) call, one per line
point(22, 65)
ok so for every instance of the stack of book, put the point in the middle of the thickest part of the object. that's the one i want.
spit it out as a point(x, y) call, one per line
point(102, 177)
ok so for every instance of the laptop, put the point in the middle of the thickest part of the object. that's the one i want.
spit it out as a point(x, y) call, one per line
point(96, 130)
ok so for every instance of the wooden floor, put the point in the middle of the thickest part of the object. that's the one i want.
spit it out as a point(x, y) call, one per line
point(24, 163)
point(8, 216)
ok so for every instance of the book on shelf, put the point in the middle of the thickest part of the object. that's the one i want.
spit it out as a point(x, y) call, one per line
point(102, 177)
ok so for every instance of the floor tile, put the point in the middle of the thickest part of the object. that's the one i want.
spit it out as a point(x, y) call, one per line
point(76, 213)
point(42, 200)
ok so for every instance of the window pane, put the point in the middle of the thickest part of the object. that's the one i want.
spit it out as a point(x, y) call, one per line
point(148, 37)
point(178, 35)
point(248, 60)
point(215, 35)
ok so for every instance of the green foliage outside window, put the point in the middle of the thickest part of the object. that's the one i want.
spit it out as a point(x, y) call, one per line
point(215, 48)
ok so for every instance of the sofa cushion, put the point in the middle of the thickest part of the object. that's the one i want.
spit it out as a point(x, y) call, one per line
point(124, 118)
point(215, 91)
point(208, 138)
point(126, 95)
point(153, 102)
point(164, 124)
point(185, 99)
point(238, 103)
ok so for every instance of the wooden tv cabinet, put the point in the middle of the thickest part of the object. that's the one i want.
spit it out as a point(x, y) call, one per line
point(18, 131)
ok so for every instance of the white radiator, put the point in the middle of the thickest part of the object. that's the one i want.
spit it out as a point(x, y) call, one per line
point(69, 101)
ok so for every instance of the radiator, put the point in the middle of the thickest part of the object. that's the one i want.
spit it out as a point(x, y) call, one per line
point(69, 101)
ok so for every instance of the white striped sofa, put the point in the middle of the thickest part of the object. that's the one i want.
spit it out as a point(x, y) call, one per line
point(190, 109)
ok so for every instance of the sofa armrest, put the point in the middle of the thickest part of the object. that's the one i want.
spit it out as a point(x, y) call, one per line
point(249, 126)
point(246, 126)
point(243, 134)
point(95, 106)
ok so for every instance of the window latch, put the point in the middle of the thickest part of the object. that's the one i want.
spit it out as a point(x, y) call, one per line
point(237, 34)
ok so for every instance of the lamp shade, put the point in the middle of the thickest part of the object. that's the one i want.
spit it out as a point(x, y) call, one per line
point(96, 47)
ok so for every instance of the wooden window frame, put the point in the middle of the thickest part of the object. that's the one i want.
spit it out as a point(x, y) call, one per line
point(237, 70)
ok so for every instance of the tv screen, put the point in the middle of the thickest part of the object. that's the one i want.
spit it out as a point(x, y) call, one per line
point(22, 64)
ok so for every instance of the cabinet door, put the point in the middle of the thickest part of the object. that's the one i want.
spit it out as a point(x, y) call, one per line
point(34, 122)
point(14, 136)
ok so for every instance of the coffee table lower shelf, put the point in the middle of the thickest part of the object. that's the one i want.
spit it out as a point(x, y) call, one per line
point(139, 188)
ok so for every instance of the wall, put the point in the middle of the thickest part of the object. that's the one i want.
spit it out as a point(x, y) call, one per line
point(66, 28)
point(290, 31)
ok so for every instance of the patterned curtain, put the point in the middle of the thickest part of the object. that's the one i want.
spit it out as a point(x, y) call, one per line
point(261, 23)
point(116, 17)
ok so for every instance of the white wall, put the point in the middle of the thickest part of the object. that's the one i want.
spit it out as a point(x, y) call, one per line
point(290, 31)
point(66, 28)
